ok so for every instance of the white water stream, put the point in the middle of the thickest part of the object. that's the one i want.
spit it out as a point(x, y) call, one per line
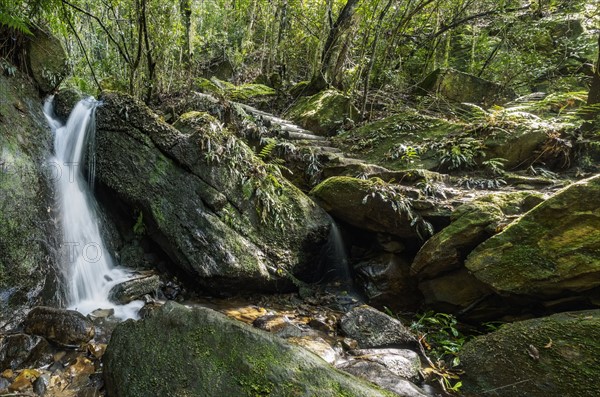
point(89, 267)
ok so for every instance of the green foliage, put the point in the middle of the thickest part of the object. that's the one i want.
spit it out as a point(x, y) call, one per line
point(461, 153)
point(139, 228)
point(494, 166)
point(442, 340)
point(401, 204)
point(13, 22)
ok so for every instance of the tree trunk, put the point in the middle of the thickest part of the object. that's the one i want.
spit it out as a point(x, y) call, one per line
point(367, 78)
point(594, 94)
point(332, 44)
point(185, 8)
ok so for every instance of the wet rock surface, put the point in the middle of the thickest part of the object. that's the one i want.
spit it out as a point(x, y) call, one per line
point(134, 289)
point(372, 328)
point(207, 341)
point(21, 350)
point(64, 327)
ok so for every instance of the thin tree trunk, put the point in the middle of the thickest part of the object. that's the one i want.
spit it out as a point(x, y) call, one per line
point(341, 24)
point(594, 94)
point(185, 9)
point(367, 77)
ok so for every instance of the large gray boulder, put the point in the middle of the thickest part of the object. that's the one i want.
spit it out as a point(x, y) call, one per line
point(464, 87)
point(550, 251)
point(224, 217)
point(199, 352)
point(27, 275)
point(47, 60)
point(552, 356)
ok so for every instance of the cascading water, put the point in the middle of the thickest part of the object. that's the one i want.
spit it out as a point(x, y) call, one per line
point(89, 267)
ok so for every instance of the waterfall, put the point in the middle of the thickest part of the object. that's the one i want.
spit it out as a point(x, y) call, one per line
point(88, 266)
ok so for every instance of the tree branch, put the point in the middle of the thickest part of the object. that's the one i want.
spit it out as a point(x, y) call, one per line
point(110, 37)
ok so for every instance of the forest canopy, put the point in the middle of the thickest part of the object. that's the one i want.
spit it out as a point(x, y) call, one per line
point(364, 48)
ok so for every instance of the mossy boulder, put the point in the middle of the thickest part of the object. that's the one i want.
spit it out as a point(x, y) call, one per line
point(65, 100)
point(199, 352)
point(27, 270)
point(324, 113)
point(552, 356)
point(471, 224)
point(386, 141)
point(370, 204)
point(550, 251)
point(458, 86)
point(239, 93)
point(46, 61)
point(223, 217)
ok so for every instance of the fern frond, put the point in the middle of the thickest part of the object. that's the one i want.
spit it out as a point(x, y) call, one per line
point(15, 23)
point(267, 150)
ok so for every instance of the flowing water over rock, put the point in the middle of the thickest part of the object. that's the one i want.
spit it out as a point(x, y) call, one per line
point(88, 266)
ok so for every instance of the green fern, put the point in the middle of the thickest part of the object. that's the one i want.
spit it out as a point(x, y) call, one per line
point(13, 22)
point(267, 150)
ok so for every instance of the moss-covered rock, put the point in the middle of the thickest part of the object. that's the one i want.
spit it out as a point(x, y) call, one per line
point(199, 352)
point(463, 87)
point(387, 141)
point(65, 100)
point(223, 216)
point(239, 93)
point(472, 224)
point(552, 356)
point(47, 61)
point(550, 251)
point(369, 204)
point(26, 230)
point(323, 113)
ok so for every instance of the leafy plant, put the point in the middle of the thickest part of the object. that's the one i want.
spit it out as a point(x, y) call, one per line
point(495, 166)
point(407, 154)
point(461, 153)
point(468, 182)
point(441, 340)
point(139, 228)
point(400, 204)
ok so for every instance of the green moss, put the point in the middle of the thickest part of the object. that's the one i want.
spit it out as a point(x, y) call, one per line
point(241, 93)
point(551, 250)
point(323, 113)
point(567, 350)
point(204, 353)
point(378, 142)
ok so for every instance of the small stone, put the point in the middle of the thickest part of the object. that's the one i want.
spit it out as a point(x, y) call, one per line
point(320, 325)
point(349, 344)
point(271, 322)
point(59, 356)
point(101, 313)
point(8, 374)
point(401, 362)
point(96, 349)
point(316, 345)
point(4, 383)
point(41, 384)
